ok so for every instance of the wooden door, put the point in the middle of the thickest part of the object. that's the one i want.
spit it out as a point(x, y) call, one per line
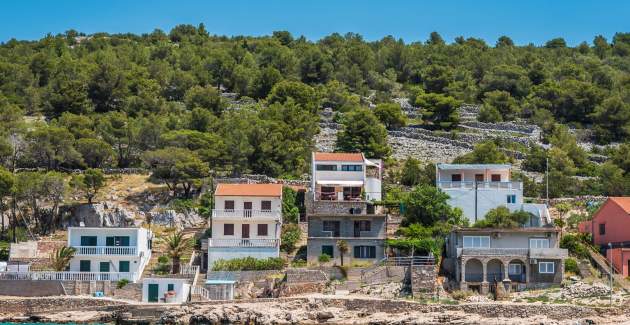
point(245, 233)
point(154, 292)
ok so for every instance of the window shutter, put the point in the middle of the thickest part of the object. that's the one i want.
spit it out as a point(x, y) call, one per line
point(109, 241)
point(357, 251)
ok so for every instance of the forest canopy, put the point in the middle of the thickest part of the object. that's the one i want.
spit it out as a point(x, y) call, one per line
point(250, 104)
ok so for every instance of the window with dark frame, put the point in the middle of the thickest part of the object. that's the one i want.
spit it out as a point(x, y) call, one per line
point(265, 205)
point(456, 178)
point(228, 229)
point(332, 226)
point(496, 177)
point(364, 252)
point(329, 168)
point(602, 228)
point(328, 250)
point(228, 205)
point(262, 229)
point(352, 168)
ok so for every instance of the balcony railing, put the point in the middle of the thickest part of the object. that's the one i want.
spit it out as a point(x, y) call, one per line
point(492, 251)
point(106, 250)
point(481, 185)
point(524, 252)
point(243, 242)
point(247, 214)
point(69, 276)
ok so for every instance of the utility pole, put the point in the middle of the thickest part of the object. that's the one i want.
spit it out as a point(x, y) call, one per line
point(476, 201)
point(611, 272)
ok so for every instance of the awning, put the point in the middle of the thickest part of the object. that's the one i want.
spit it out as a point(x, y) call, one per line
point(220, 282)
point(346, 183)
point(369, 163)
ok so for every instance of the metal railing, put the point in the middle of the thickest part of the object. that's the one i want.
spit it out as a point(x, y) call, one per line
point(105, 250)
point(243, 242)
point(480, 185)
point(247, 214)
point(218, 292)
point(408, 260)
point(69, 276)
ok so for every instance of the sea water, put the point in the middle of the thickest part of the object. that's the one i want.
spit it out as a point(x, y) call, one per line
point(48, 324)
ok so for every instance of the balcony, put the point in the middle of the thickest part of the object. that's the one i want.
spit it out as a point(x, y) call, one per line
point(481, 185)
point(106, 250)
point(548, 253)
point(243, 242)
point(492, 252)
point(69, 276)
point(247, 214)
point(552, 253)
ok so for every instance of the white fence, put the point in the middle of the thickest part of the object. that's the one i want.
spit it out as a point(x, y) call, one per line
point(243, 242)
point(215, 292)
point(105, 250)
point(69, 276)
point(481, 185)
point(247, 214)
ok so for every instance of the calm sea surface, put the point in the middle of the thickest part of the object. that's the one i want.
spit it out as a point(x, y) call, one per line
point(47, 324)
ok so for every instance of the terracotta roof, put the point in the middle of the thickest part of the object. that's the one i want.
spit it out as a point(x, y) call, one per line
point(623, 202)
point(249, 190)
point(339, 156)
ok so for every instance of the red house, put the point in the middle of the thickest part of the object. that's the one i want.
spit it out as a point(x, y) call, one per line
point(611, 225)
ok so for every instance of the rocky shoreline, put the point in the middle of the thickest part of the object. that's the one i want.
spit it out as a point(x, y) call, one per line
point(311, 310)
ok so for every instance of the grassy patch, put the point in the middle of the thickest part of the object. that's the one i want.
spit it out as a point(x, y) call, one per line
point(541, 298)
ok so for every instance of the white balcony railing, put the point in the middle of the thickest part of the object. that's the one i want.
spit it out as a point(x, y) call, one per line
point(106, 250)
point(481, 185)
point(247, 214)
point(529, 252)
point(243, 242)
point(69, 276)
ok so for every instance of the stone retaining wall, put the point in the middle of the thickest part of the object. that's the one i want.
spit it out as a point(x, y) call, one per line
point(305, 276)
point(131, 291)
point(27, 306)
point(384, 274)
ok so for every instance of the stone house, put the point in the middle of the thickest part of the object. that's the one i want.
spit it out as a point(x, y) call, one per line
point(339, 207)
point(519, 258)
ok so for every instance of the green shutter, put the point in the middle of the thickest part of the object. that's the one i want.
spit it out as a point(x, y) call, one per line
point(88, 240)
point(84, 266)
point(104, 266)
point(123, 266)
point(109, 241)
point(357, 251)
point(170, 287)
point(124, 241)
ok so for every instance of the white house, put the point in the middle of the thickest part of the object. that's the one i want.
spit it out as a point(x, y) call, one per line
point(246, 221)
point(478, 188)
point(110, 253)
point(166, 290)
point(345, 177)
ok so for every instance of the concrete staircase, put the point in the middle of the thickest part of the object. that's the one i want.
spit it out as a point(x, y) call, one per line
point(352, 283)
point(604, 266)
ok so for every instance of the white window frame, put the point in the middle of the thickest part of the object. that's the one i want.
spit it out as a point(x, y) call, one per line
point(546, 269)
point(476, 242)
point(515, 269)
point(539, 243)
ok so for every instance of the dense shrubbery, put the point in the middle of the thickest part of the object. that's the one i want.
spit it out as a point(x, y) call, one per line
point(576, 244)
point(248, 264)
point(571, 265)
point(501, 217)
point(290, 236)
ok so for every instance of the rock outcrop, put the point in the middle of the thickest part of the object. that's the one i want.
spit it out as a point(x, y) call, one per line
point(103, 214)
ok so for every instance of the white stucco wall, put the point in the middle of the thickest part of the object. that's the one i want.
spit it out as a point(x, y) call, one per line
point(181, 288)
point(276, 202)
point(273, 229)
point(487, 199)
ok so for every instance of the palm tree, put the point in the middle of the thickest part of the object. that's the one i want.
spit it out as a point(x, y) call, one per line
point(342, 245)
point(60, 257)
point(176, 246)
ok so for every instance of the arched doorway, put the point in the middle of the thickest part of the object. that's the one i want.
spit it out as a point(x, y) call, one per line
point(474, 271)
point(494, 271)
point(517, 271)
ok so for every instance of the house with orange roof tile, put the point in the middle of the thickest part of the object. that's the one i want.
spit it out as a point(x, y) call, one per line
point(246, 222)
point(610, 230)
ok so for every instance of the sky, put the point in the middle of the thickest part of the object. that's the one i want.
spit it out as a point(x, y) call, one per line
point(525, 21)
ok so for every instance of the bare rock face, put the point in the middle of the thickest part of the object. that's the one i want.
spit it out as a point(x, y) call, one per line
point(104, 214)
point(172, 218)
